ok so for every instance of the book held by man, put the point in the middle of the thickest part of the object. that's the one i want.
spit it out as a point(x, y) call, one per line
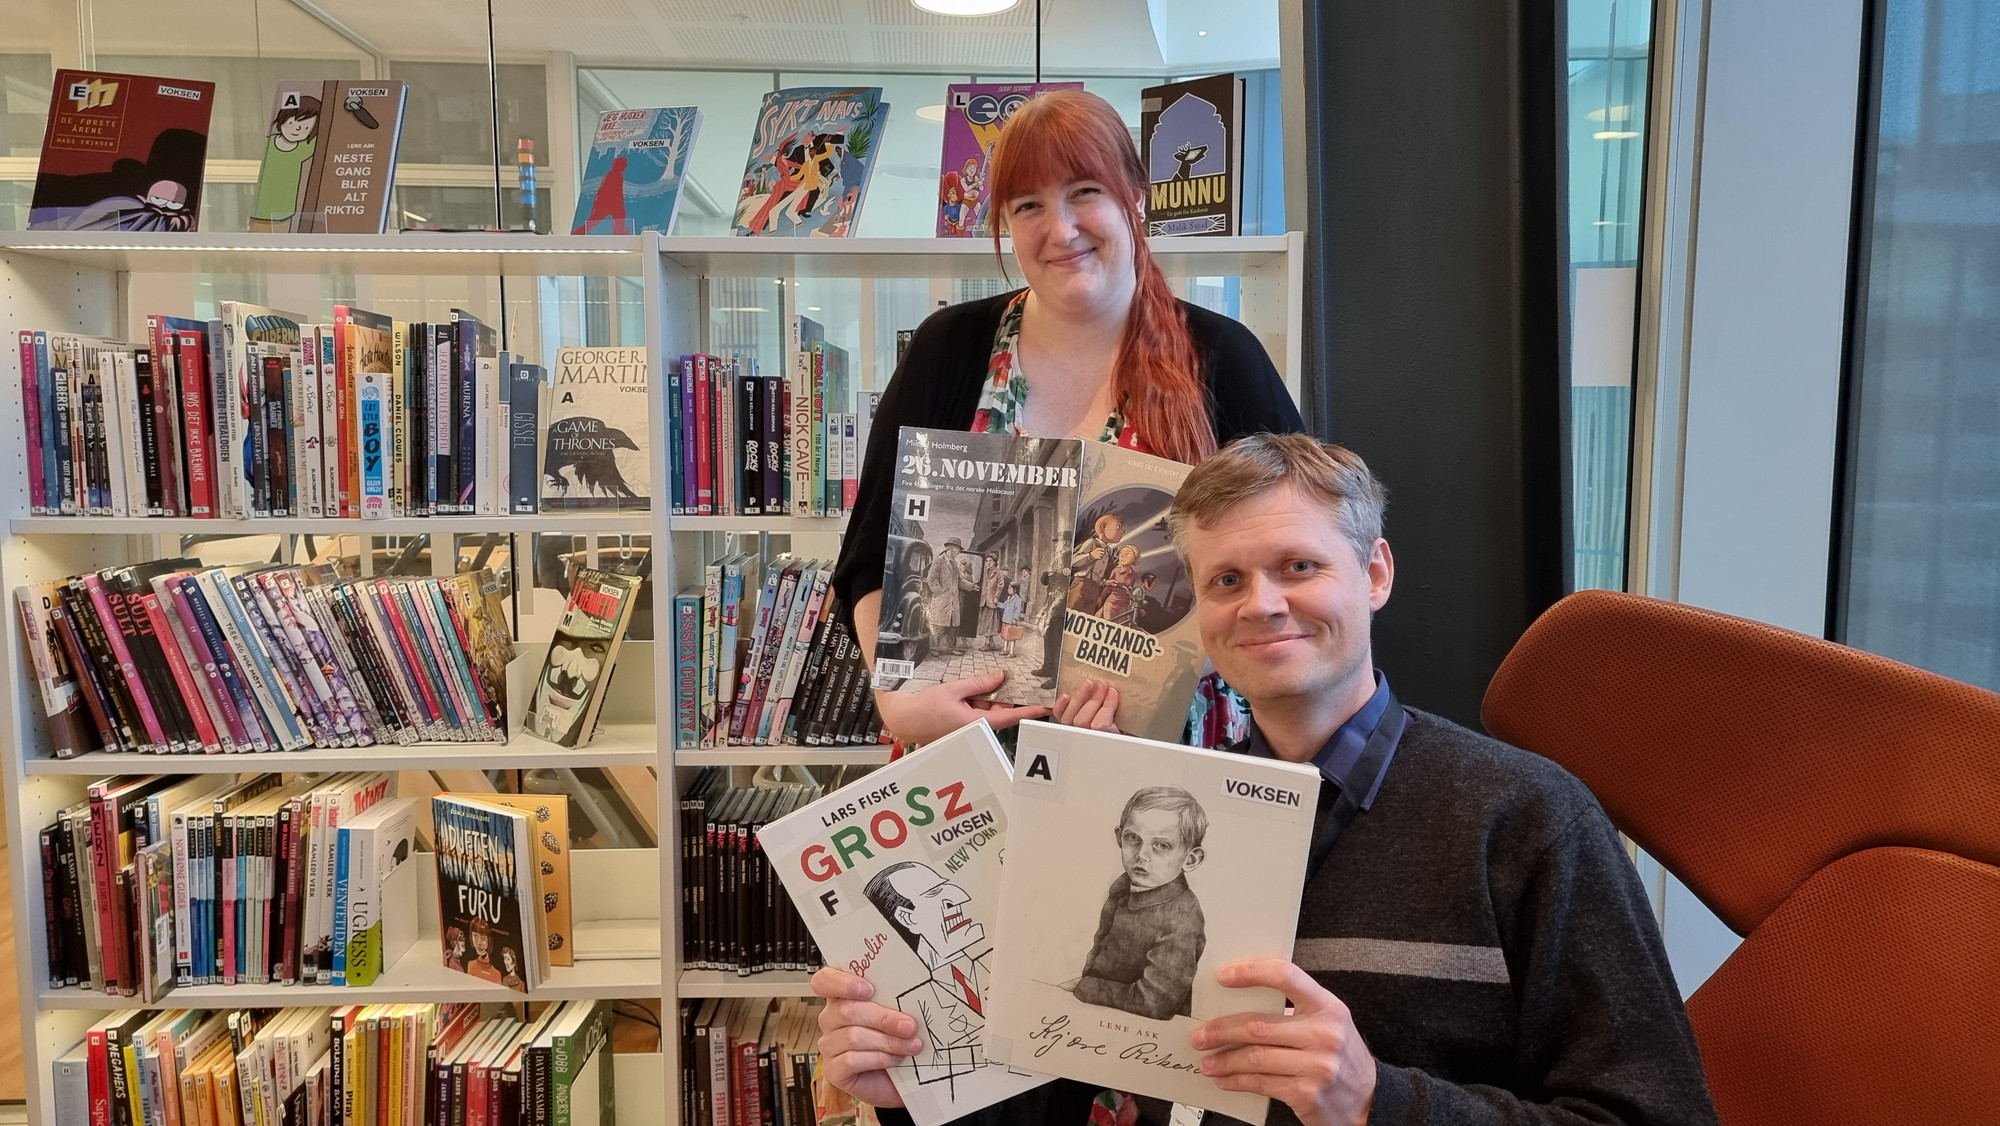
point(898, 876)
point(1145, 866)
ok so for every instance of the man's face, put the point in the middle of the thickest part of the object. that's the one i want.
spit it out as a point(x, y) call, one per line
point(937, 910)
point(1282, 600)
point(1149, 842)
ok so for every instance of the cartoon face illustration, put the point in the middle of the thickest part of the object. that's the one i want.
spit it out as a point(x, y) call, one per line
point(296, 129)
point(565, 687)
point(928, 910)
point(167, 196)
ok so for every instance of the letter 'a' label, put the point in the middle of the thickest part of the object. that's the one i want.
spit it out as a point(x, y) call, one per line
point(1041, 768)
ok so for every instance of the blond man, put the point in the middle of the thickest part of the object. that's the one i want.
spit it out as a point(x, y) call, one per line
point(1473, 945)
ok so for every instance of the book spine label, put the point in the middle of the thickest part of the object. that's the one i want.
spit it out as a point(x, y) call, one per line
point(524, 431)
point(798, 432)
point(817, 424)
point(687, 679)
point(466, 400)
point(122, 652)
point(371, 401)
point(704, 435)
point(750, 445)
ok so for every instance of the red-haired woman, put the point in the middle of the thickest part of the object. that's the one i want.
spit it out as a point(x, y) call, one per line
point(1095, 347)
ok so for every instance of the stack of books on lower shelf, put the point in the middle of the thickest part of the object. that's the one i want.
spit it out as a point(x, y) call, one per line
point(386, 1065)
point(770, 663)
point(752, 1060)
point(173, 657)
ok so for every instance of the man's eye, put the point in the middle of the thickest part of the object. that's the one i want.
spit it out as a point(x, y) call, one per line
point(1300, 567)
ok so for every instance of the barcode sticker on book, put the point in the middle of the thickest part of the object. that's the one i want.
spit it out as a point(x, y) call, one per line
point(889, 673)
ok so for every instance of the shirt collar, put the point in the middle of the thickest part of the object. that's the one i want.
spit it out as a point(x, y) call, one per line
point(1336, 759)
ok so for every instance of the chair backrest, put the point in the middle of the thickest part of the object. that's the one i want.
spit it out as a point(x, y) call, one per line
point(1840, 809)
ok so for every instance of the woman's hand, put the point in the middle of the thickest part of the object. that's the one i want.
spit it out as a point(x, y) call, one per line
point(1095, 706)
point(937, 711)
point(859, 1041)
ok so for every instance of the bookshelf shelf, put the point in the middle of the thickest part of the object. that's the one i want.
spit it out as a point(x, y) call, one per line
point(785, 756)
point(419, 976)
point(727, 257)
point(775, 525)
point(627, 744)
point(443, 255)
point(609, 523)
point(725, 983)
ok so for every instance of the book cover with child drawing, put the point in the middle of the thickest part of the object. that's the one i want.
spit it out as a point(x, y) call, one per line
point(897, 876)
point(1145, 866)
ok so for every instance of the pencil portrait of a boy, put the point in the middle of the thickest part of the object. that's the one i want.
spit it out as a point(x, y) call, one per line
point(1150, 933)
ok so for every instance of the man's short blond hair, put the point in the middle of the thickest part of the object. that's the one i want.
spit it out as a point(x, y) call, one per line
point(1257, 463)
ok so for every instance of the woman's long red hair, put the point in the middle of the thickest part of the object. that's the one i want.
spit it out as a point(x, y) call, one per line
point(1063, 136)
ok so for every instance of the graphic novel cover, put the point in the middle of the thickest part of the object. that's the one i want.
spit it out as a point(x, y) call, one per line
point(549, 822)
point(329, 159)
point(596, 448)
point(638, 161)
point(1145, 866)
point(977, 570)
point(1191, 143)
point(485, 886)
point(476, 600)
point(974, 113)
point(123, 152)
point(810, 160)
point(1131, 616)
point(569, 693)
point(898, 878)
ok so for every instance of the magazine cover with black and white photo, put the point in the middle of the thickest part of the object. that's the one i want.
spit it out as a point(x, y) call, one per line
point(977, 570)
point(898, 878)
point(1144, 866)
point(1131, 616)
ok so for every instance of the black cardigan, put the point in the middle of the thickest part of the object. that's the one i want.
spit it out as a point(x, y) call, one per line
point(938, 383)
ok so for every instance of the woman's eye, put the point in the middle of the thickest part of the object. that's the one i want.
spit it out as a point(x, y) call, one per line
point(1225, 581)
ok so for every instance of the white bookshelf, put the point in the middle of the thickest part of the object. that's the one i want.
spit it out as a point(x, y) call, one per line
point(105, 283)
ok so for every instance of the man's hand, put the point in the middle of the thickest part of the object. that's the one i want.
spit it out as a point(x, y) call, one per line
point(860, 1040)
point(1311, 1059)
point(1095, 706)
point(937, 711)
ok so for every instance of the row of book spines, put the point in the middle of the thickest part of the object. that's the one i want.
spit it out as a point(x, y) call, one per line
point(797, 678)
point(200, 661)
point(745, 1064)
point(118, 430)
point(740, 444)
point(140, 1068)
point(103, 423)
point(735, 916)
point(256, 895)
point(432, 434)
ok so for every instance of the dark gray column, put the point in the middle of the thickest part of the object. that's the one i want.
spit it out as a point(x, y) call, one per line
point(1437, 310)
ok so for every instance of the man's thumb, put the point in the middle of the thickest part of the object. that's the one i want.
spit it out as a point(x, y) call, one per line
point(983, 682)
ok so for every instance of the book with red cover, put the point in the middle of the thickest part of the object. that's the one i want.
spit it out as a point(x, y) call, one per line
point(123, 152)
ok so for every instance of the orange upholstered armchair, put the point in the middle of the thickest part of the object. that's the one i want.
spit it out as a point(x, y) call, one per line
point(1837, 809)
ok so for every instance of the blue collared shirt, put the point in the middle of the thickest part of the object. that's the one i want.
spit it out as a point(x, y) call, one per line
point(1336, 759)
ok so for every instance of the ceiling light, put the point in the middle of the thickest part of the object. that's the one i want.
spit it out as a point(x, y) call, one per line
point(1610, 113)
point(931, 113)
point(965, 7)
point(812, 308)
point(1201, 33)
point(1615, 135)
point(741, 309)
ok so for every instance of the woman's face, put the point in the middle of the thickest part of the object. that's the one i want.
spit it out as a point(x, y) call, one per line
point(1074, 242)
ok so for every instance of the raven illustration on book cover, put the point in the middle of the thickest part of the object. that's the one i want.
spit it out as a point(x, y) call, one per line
point(584, 447)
